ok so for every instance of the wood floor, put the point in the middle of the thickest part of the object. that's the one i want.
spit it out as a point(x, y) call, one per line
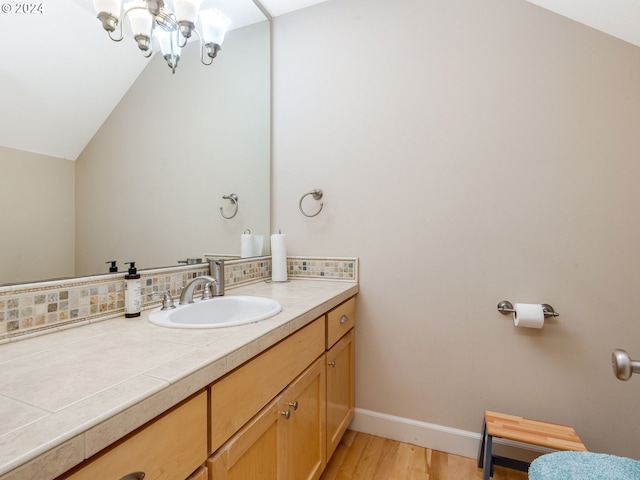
point(367, 457)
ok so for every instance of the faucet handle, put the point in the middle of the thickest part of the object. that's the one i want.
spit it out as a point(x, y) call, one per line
point(211, 290)
point(167, 300)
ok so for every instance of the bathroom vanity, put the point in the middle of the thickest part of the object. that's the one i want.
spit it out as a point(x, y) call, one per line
point(265, 400)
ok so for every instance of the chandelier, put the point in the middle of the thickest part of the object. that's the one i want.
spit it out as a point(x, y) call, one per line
point(170, 22)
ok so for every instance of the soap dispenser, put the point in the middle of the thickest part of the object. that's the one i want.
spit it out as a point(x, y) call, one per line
point(132, 292)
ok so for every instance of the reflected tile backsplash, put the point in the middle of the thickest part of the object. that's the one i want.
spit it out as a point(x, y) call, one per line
point(37, 307)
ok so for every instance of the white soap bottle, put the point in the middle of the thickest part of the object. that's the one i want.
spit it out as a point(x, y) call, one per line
point(132, 292)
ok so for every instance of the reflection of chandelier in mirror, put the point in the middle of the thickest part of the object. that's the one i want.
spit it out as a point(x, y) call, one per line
point(171, 27)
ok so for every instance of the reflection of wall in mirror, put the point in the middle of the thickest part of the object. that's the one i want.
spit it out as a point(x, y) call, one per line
point(37, 216)
point(150, 183)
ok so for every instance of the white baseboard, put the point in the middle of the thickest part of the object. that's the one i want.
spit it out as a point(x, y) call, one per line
point(437, 437)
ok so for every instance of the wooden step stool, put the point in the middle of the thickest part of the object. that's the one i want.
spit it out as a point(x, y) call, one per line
point(524, 430)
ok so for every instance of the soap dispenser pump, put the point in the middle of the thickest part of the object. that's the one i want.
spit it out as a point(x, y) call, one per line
point(113, 268)
point(132, 292)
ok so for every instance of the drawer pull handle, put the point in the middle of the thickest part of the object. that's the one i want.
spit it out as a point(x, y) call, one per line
point(294, 404)
point(286, 414)
point(332, 364)
point(344, 319)
point(134, 476)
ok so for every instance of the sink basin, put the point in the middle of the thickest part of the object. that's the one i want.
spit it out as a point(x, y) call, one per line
point(218, 312)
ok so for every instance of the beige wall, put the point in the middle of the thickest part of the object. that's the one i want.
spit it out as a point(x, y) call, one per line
point(37, 219)
point(150, 182)
point(470, 152)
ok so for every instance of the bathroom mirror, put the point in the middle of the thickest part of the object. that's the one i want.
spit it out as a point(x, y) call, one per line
point(149, 185)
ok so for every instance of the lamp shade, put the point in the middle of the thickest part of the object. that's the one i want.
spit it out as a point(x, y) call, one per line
point(164, 42)
point(110, 6)
point(214, 26)
point(187, 10)
point(140, 20)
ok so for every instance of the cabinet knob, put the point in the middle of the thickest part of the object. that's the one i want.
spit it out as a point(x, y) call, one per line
point(286, 414)
point(344, 319)
point(133, 476)
point(294, 404)
point(332, 364)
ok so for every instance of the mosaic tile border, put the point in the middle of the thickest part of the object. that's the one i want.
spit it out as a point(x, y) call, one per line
point(326, 268)
point(37, 308)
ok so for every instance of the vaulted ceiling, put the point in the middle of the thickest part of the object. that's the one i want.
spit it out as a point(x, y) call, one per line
point(61, 76)
point(618, 18)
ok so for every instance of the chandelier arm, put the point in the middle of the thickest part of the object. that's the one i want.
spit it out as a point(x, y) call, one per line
point(107, 19)
point(178, 41)
point(126, 12)
point(202, 56)
point(116, 39)
point(149, 52)
point(203, 49)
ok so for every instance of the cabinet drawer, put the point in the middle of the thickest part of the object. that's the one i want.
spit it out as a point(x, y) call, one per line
point(242, 393)
point(201, 474)
point(169, 448)
point(340, 320)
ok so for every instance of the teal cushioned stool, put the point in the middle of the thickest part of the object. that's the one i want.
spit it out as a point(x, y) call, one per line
point(583, 466)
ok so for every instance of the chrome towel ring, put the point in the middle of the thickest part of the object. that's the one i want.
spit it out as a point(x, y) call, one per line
point(234, 202)
point(317, 195)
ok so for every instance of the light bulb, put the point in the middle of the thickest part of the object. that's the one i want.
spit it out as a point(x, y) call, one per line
point(214, 26)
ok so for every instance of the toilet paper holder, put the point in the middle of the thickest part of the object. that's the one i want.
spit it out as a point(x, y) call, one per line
point(505, 306)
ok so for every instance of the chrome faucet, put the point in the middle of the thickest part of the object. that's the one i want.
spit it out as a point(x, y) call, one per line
point(187, 292)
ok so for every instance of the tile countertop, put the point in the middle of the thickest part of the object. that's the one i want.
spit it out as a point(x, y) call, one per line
point(66, 395)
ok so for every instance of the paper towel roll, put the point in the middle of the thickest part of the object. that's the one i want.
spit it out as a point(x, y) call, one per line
point(528, 315)
point(246, 245)
point(279, 257)
point(258, 240)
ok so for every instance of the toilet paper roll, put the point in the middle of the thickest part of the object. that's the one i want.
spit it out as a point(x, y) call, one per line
point(279, 257)
point(529, 315)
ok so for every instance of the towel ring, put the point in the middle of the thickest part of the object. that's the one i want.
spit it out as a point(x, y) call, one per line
point(317, 195)
point(234, 201)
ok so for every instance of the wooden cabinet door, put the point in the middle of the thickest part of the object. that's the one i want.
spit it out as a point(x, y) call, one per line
point(340, 389)
point(253, 453)
point(170, 447)
point(302, 427)
point(244, 392)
